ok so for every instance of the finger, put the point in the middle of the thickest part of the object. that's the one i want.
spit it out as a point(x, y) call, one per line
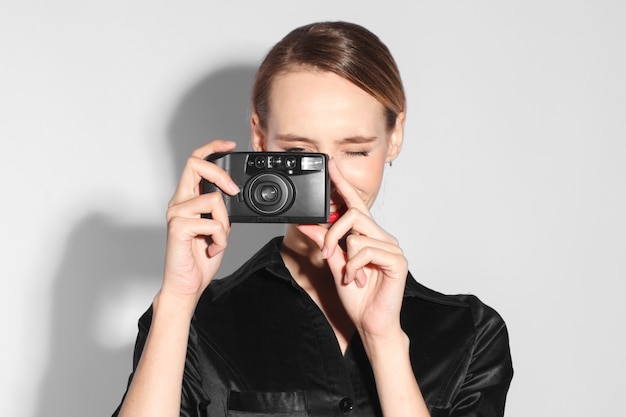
point(217, 240)
point(347, 192)
point(198, 168)
point(393, 265)
point(337, 261)
point(215, 146)
point(183, 229)
point(360, 278)
point(211, 203)
point(355, 244)
point(318, 235)
point(355, 222)
point(214, 231)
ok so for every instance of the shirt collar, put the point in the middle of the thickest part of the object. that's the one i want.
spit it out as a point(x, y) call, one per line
point(268, 257)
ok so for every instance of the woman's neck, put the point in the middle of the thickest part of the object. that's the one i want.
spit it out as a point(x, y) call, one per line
point(301, 254)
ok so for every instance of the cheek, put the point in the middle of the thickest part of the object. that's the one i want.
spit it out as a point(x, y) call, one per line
point(364, 177)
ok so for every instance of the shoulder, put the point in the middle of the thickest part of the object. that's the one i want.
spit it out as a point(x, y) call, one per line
point(459, 348)
point(460, 319)
point(480, 313)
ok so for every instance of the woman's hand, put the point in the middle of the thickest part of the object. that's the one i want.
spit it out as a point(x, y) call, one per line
point(195, 245)
point(195, 248)
point(370, 273)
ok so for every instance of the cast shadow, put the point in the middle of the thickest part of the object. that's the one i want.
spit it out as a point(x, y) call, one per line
point(103, 256)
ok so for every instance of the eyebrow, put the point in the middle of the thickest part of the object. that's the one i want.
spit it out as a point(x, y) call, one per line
point(351, 139)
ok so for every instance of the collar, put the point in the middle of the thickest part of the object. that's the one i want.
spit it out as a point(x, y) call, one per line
point(267, 258)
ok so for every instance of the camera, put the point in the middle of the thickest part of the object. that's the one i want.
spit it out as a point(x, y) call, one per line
point(276, 187)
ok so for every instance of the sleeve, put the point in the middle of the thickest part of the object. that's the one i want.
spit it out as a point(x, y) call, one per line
point(490, 370)
point(194, 400)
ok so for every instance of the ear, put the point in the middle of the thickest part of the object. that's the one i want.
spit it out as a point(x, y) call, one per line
point(258, 133)
point(395, 138)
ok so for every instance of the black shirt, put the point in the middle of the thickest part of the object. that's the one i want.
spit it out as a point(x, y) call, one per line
point(260, 346)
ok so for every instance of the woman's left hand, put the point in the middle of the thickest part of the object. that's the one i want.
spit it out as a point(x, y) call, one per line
point(370, 273)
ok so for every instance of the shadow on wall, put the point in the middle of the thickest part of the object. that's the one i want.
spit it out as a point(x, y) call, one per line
point(85, 377)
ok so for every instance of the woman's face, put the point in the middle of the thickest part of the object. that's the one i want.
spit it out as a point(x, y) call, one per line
point(316, 111)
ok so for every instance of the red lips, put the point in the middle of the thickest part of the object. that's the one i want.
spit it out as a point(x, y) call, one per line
point(336, 212)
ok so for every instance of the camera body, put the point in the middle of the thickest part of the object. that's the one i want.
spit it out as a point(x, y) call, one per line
point(276, 187)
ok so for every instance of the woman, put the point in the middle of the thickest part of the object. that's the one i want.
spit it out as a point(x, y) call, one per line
point(309, 326)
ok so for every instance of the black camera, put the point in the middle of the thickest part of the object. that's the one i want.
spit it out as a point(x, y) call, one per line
point(276, 187)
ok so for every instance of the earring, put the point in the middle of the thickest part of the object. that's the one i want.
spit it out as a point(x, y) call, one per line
point(390, 163)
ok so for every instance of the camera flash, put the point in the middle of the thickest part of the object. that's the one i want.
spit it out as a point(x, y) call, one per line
point(312, 163)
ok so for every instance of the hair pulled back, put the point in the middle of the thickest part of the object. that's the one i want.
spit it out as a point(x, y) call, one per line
point(346, 49)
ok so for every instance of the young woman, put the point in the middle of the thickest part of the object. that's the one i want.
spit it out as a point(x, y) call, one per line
point(309, 326)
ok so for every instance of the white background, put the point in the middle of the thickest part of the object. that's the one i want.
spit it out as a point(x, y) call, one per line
point(511, 184)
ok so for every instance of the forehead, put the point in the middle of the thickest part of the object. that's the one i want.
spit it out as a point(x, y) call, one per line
point(313, 100)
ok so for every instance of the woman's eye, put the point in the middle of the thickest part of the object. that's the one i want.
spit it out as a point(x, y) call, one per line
point(357, 153)
point(295, 150)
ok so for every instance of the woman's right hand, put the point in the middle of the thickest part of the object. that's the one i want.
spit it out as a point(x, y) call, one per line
point(195, 245)
point(195, 248)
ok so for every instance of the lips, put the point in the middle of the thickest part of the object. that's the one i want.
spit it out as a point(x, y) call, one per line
point(335, 212)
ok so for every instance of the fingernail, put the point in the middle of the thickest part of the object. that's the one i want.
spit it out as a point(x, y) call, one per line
point(324, 252)
point(234, 188)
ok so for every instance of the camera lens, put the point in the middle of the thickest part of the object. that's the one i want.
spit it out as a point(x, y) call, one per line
point(269, 193)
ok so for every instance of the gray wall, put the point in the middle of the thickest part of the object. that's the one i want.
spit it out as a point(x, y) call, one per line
point(510, 185)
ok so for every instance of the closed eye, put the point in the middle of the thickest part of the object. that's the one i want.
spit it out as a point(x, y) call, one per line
point(357, 153)
point(295, 149)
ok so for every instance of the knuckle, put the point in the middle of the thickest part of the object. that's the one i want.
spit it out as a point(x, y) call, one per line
point(353, 242)
point(213, 198)
point(203, 151)
point(353, 212)
point(369, 251)
point(191, 162)
point(171, 211)
point(175, 224)
point(404, 261)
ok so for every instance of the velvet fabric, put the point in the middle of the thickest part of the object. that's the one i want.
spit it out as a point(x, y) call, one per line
point(260, 346)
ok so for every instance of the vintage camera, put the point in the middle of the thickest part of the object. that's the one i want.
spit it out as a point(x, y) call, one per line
point(276, 187)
